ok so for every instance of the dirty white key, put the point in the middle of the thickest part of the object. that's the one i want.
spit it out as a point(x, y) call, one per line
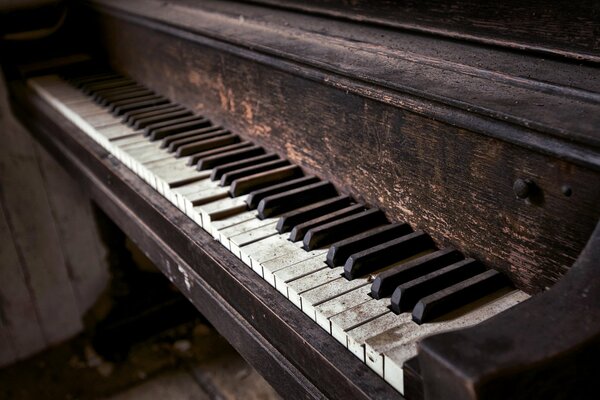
point(339, 304)
point(217, 226)
point(269, 267)
point(186, 194)
point(220, 209)
point(103, 120)
point(354, 317)
point(357, 336)
point(320, 277)
point(171, 171)
point(266, 249)
point(330, 290)
point(250, 236)
point(244, 227)
point(406, 344)
point(297, 271)
point(117, 131)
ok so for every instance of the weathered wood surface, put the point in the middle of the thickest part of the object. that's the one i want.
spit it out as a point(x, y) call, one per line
point(282, 343)
point(565, 28)
point(453, 182)
point(52, 266)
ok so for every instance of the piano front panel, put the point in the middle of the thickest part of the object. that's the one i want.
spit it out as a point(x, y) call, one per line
point(391, 151)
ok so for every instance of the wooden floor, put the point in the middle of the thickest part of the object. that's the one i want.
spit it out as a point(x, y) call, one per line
point(188, 362)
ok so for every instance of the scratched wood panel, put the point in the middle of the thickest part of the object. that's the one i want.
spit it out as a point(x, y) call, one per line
point(452, 182)
point(81, 246)
point(565, 28)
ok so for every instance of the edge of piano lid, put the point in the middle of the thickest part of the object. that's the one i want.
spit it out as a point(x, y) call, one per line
point(533, 240)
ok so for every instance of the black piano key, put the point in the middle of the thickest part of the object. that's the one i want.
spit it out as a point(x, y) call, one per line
point(130, 117)
point(104, 84)
point(339, 252)
point(341, 229)
point(231, 176)
point(106, 101)
point(109, 84)
point(299, 231)
point(194, 159)
point(141, 105)
point(142, 123)
point(385, 254)
point(458, 295)
point(265, 179)
point(256, 196)
point(219, 171)
point(198, 123)
point(280, 203)
point(293, 218)
point(161, 130)
point(224, 158)
point(102, 95)
point(83, 80)
point(79, 74)
point(206, 144)
point(408, 294)
point(117, 105)
point(174, 142)
point(385, 282)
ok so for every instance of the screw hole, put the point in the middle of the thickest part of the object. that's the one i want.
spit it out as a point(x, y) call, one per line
point(566, 190)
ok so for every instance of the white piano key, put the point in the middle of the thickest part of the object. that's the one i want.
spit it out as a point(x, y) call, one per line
point(410, 333)
point(339, 304)
point(233, 220)
point(250, 236)
point(117, 131)
point(266, 249)
point(298, 286)
point(357, 336)
point(226, 206)
point(103, 120)
point(330, 290)
point(296, 271)
point(354, 317)
point(269, 267)
point(406, 342)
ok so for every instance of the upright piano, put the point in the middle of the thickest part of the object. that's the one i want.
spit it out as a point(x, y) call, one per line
point(367, 199)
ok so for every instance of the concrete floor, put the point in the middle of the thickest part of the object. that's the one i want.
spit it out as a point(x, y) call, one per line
point(188, 362)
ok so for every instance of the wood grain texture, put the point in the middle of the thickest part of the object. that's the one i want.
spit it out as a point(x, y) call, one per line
point(565, 28)
point(454, 183)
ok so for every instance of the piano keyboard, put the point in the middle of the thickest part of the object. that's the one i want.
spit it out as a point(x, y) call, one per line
point(375, 286)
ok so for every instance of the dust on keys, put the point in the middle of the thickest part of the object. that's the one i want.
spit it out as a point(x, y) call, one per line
point(376, 286)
